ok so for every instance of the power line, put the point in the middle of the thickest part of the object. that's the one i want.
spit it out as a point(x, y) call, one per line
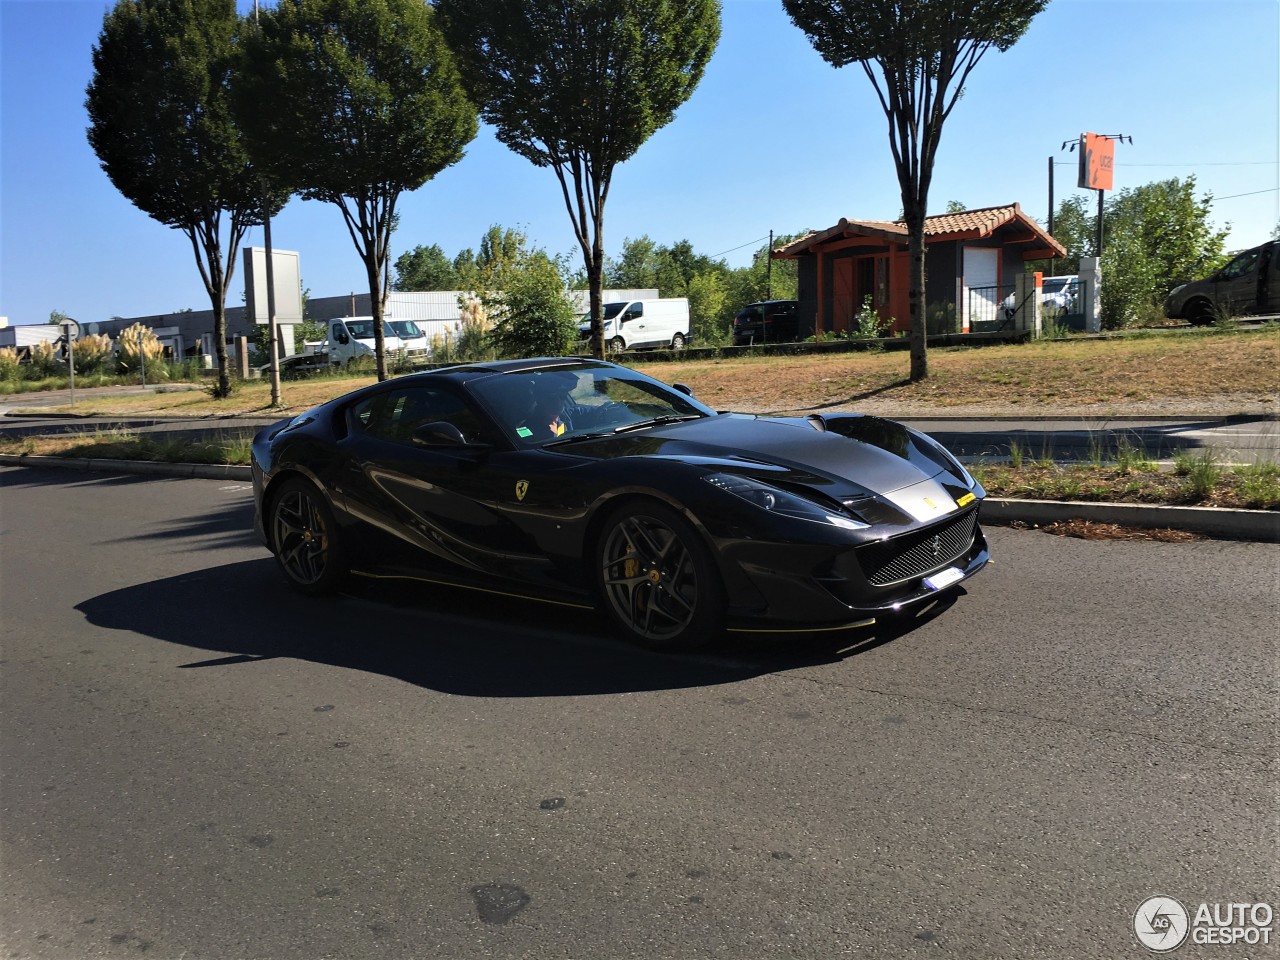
point(1253, 194)
point(738, 247)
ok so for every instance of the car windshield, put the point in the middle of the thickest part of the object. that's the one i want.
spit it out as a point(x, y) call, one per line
point(553, 404)
point(611, 310)
point(1056, 284)
point(360, 329)
point(404, 329)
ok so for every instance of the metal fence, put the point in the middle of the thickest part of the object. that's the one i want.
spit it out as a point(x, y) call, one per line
point(991, 308)
point(1061, 305)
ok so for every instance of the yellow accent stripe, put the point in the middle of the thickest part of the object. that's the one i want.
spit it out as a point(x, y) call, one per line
point(967, 498)
point(464, 586)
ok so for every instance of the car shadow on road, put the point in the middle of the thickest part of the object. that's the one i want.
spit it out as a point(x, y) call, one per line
point(439, 638)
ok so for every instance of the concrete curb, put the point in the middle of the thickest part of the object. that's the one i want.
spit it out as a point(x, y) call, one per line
point(1259, 525)
point(1262, 526)
point(181, 471)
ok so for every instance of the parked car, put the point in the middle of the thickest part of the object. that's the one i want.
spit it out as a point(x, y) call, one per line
point(769, 321)
point(583, 482)
point(1248, 285)
point(1059, 296)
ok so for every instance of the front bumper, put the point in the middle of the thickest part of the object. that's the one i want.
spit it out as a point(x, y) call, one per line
point(827, 586)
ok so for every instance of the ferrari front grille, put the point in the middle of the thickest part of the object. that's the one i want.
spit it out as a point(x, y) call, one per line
point(915, 554)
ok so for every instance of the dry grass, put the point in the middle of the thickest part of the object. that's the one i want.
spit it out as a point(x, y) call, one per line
point(1252, 488)
point(1088, 530)
point(125, 446)
point(1180, 369)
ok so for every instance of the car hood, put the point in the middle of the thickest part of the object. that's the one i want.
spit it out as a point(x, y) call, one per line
point(842, 455)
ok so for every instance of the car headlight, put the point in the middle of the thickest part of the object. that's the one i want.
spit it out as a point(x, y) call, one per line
point(779, 501)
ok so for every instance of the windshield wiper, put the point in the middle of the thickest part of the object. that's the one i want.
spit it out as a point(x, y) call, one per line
point(657, 421)
point(574, 438)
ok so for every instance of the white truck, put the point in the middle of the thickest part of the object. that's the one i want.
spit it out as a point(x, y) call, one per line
point(350, 338)
point(640, 324)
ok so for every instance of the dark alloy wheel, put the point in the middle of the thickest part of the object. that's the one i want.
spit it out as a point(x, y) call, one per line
point(658, 580)
point(304, 536)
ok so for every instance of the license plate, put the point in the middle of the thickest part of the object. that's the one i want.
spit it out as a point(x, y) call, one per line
point(944, 578)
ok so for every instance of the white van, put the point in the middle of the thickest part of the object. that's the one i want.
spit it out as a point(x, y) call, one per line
point(350, 338)
point(639, 324)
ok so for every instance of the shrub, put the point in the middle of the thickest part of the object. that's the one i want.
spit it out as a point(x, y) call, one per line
point(136, 345)
point(472, 339)
point(867, 323)
point(92, 351)
point(10, 369)
point(45, 361)
point(532, 316)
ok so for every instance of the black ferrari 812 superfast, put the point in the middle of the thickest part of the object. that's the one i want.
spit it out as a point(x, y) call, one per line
point(578, 481)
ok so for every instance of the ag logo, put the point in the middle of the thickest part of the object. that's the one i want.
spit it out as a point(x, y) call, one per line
point(1161, 924)
point(522, 487)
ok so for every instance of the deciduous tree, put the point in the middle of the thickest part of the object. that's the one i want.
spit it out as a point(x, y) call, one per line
point(161, 123)
point(917, 55)
point(354, 102)
point(579, 86)
point(425, 268)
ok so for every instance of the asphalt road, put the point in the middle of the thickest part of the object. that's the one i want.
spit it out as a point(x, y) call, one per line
point(197, 763)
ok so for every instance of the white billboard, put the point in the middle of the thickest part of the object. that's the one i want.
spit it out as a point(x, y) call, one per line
point(288, 283)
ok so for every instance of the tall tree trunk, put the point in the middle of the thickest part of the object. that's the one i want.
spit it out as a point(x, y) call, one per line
point(914, 216)
point(376, 308)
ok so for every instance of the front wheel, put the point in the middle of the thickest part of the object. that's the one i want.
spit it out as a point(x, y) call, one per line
point(305, 540)
point(617, 345)
point(658, 580)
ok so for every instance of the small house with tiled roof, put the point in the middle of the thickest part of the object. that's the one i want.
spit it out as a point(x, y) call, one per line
point(968, 254)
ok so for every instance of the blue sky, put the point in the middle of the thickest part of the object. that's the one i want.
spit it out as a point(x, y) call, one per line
point(773, 139)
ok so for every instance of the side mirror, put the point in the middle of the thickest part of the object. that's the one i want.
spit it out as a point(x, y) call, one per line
point(683, 388)
point(438, 433)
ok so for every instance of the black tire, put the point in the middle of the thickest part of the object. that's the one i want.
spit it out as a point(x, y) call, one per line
point(657, 579)
point(677, 342)
point(617, 345)
point(1199, 312)
point(305, 538)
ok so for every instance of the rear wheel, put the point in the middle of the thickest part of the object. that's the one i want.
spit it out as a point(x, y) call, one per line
point(1199, 312)
point(658, 580)
point(677, 342)
point(304, 537)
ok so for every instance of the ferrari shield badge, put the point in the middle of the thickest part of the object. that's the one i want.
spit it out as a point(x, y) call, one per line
point(522, 487)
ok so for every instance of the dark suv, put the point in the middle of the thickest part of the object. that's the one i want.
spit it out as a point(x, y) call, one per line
point(769, 321)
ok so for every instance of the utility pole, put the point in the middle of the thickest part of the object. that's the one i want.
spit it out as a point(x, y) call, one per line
point(274, 354)
point(768, 269)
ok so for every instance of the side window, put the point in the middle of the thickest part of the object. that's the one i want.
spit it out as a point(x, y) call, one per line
point(1240, 265)
point(395, 414)
point(635, 311)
